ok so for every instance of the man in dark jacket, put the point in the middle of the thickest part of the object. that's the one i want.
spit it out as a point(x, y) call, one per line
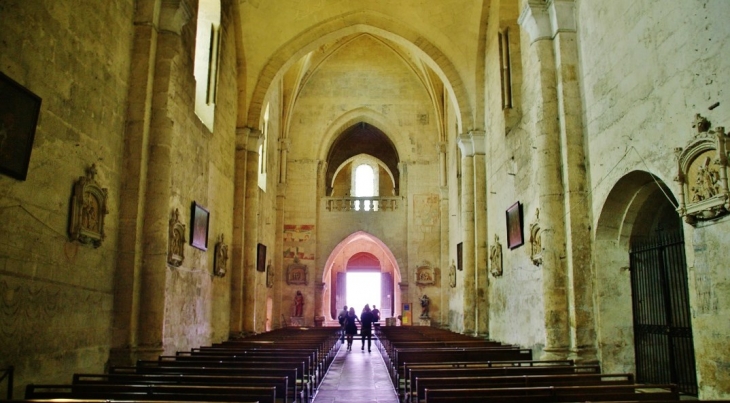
point(366, 329)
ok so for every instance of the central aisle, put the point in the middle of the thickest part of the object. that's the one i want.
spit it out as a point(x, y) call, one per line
point(357, 377)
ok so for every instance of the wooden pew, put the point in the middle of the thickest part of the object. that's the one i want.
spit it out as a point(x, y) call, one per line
point(98, 401)
point(154, 392)
point(493, 371)
point(408, 355)
point(587, 393)
point(303, 378)
point(296, 391)
point(281, 383)
point(451, 382)
point(407, 381)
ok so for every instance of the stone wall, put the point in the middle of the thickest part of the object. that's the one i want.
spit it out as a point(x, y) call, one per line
point(640, 102)
point(56, 295)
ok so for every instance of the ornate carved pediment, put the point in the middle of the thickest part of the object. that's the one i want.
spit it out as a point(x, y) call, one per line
point(296, 273)
point(176, 240)
point(221, 257)
point(425, 274)
point(88, 209)
point(702, 167)
point(495, 257)
point(535, 240)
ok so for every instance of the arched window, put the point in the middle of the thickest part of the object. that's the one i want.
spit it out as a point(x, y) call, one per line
point(207, 45)
point(263, 150)
point(365, 181)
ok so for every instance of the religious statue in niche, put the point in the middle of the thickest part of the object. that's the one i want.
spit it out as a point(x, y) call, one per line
point(299, 304)
point(176, 240)
point(425, 303)
point(88, 209)
point(535, 240)
point(221, 257)
point(269, 275)
point(495, 257)
point(296, 273)
point(425, 274)
point(702, 173)
point(452, 275)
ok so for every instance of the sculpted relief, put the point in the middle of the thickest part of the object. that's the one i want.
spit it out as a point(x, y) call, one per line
point(702, 167)
point(88, 209)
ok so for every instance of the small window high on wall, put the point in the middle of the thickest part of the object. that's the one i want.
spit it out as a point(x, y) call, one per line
point(263, 150)
point(207, 46)
point(365, 181)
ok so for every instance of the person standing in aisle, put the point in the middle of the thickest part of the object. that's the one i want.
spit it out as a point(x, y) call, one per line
point(366, 330)
point(351, 326)
point(342, 317)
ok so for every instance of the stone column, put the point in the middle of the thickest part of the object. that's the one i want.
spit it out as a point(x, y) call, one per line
point(239, 226)
point(578, 245)
point(127, 278)
point(466, 144)
point(251, 232)
point(567, 288)
point(481, 275)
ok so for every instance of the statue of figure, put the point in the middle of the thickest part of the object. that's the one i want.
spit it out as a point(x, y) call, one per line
point(452, 275)
point(299, 304)
point(495, 257)
point(424, 306)
point(269, 275)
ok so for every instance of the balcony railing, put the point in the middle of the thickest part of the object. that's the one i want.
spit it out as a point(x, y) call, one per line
point(363, 204)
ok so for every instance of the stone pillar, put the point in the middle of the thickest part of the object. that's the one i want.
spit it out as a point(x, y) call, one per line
point(561, 176)
point(578, 245)
point(466, 144)
point(127, 278)
point(481, 274)
point(239, 226)
point(283, 151)
point(251, 233)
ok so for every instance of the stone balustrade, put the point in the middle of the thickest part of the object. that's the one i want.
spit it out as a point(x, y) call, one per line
point(362, 204)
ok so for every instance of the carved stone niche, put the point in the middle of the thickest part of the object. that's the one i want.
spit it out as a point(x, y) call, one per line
point(425, 274)
point(535, 240)
point(88, 209)
point(221, 257)
point(495, 257)
point(296, 273)
point(702, 168)
point(176, 240)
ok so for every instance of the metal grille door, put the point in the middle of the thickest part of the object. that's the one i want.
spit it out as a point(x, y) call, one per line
point(662, 322)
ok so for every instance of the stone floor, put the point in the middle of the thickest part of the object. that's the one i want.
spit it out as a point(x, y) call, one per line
point(357, 376)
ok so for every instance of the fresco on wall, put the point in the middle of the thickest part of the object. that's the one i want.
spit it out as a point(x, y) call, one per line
point(298, 242)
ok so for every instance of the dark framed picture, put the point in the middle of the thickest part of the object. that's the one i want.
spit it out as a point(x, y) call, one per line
point(19, 109)
point(460, 256)
point(199, 227)
point(515, 237)
point(261, 257)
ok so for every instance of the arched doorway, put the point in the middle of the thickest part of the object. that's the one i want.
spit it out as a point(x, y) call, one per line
point(641, 269)
point(360, 253)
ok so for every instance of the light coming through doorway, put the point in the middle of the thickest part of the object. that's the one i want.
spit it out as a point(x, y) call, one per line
point(363, 288)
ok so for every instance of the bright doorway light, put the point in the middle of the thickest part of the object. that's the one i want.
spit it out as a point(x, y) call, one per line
point(363, 288)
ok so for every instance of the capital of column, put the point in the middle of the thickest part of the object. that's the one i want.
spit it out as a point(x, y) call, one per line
point(441, 147)
point(472, 143)
point(284, 144)
point(545, 20)
point(248, 138)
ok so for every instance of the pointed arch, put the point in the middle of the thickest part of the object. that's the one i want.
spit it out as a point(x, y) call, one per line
point(379, 25)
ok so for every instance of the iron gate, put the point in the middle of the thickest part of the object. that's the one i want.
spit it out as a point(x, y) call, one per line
point(662, 322)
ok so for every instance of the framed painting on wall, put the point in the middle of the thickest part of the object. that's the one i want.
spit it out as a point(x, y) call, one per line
point(199, 227)
point(19, 109)
point(515, 236)
point(261, 257)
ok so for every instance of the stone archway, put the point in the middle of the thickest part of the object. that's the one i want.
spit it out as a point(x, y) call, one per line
point(637, 207)
point(356, 244)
